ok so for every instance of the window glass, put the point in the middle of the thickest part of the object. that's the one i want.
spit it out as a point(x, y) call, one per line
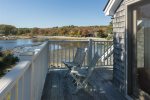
point(143, 47)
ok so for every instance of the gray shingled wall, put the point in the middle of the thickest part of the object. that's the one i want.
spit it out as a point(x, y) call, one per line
point(119, 48)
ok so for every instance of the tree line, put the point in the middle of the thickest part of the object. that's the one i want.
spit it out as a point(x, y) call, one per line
point(82, 31)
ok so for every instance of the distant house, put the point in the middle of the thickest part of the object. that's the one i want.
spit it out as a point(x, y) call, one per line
point(131, 28)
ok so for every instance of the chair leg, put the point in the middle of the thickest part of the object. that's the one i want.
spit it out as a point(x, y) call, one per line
point(74, 81)
point(77, 88)
point(66, 74)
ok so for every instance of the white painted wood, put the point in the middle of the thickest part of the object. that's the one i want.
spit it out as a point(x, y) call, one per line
point(107, 54)
point(66, 54)
point(26, 80)
point(89, 54)
point(111, 7)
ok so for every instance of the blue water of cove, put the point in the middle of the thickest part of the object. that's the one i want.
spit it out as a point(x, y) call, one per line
point(10, 44)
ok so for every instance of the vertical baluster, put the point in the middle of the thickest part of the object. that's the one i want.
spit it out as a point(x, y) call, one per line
point(65, 53)
point(98, 63)
point(53, 53)
point(8, 96)
point(73, 53)
point(47, 53)
point(23, 87)
point(57, 53)
point(13, 93)
point(100, 49)
point(61, 50)
point(89, 51)
point(49, 61)
point(69, 54)
point(104, 51)
point(82, 45)
point(50, 50)
point(112, 55)
point(20, 89)
point(107, 52)
point(94, 49)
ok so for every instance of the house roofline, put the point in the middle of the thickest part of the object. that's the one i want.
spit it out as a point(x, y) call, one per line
point(106, 5)
point(111, 7)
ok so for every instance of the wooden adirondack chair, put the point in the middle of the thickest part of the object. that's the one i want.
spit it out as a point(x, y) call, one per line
point(77, 61)
point(81, 77)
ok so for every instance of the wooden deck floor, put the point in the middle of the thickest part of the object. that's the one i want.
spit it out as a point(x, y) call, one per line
point(59, 88)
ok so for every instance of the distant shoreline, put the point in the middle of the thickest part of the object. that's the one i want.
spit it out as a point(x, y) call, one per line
point(51, 37)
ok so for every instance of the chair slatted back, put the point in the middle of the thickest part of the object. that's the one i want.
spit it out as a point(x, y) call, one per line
point(79, 56)
point(92, 65)
point(94, 60)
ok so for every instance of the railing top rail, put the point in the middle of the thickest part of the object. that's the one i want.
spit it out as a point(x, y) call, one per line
point(79, 40)
point(7, 81)
point(39, 51)
point(68, 40)
point(102, 41)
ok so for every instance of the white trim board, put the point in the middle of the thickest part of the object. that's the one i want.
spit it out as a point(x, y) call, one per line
point(111, 7)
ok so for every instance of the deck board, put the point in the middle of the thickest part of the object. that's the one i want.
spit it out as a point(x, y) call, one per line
point(59, 88)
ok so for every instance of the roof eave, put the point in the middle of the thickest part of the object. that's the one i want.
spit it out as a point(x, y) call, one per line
point(111, 7)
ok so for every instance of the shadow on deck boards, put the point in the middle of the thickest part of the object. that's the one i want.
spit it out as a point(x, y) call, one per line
point(59, 88)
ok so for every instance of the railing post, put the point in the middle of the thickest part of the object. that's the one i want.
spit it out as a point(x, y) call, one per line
point(89, 53)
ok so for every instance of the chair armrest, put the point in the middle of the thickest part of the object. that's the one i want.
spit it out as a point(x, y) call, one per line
point(79, 73)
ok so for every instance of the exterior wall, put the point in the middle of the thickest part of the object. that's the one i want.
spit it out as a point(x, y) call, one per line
point(120, 40)
point(119, 29)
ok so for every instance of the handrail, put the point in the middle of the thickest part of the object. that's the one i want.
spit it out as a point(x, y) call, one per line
point(26, 80)
point(68, 40)
point(79, 40)
point(7, 82)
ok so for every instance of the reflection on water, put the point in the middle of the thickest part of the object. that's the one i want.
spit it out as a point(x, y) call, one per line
point(9, 44)
point(23, 42)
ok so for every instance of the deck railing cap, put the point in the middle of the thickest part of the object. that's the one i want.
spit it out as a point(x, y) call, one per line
point(7, 81)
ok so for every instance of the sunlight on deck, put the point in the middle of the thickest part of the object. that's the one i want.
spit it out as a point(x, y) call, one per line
point(59, 88)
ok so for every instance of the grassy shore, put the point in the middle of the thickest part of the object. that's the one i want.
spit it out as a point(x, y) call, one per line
point(50, 37)
point(70, 38)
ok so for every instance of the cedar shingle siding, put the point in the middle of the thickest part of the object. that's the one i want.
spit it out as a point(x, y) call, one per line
point(119, 47)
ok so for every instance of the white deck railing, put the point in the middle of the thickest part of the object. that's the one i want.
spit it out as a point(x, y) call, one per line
point(26, 80)
point(65, 51)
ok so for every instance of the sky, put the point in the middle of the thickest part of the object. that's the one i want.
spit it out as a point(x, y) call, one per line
point(51, 13)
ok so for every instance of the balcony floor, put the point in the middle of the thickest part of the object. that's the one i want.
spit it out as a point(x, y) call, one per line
point(59, 88)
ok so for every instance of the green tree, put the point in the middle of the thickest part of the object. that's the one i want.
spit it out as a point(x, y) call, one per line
point(35, 30)
point(110, 28)
point(101, 33)
point(8, 29)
